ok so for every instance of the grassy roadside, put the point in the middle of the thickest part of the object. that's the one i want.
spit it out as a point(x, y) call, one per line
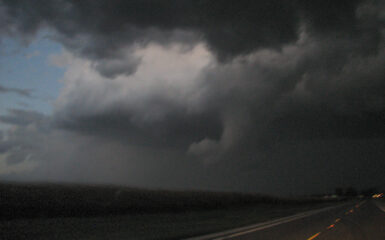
point(60, 200)
point(144, 226)
point(108, 212)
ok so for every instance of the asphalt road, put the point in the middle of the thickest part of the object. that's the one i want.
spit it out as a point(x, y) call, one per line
point(364, 220)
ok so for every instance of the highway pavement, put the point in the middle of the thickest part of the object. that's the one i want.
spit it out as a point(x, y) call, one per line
point(362, 220)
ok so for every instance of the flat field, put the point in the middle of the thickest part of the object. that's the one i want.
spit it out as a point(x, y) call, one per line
point(53, 211)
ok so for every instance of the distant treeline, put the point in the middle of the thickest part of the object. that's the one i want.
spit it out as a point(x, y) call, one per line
point(64, 200)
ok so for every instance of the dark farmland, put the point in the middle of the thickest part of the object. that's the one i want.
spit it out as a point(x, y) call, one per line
point(64, 200)
point(63, 211)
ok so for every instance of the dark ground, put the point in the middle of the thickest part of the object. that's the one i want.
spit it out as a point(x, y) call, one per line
point(52, 211)
point(362, 221)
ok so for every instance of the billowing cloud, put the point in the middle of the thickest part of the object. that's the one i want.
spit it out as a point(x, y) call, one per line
point(162, 103)
point(31, 152)
point(207, 95)
point(100, 29)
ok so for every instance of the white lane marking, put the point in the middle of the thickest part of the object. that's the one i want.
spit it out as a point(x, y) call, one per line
point(259, 226)
point(381, 206)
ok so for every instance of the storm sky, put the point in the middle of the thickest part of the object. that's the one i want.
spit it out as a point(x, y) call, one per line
point(280, 97)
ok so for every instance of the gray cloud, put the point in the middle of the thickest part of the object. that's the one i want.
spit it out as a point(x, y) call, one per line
point(273, 103)
point(100, 29)
point(5, 146)
point(16, 157)
point(280, 94)
point(22, 117)
point(112, 68)
point(19, 91)
point(29, 153)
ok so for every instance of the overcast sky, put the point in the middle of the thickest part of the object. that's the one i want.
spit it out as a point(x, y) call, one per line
point(281, 97)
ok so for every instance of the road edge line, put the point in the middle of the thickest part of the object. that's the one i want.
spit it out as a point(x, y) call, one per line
point(266, 224)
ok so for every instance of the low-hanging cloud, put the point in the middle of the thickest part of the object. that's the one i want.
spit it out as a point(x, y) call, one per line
point(207, 95)
point(99, 29)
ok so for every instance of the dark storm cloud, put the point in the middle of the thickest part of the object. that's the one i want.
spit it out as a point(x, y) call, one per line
point(114, 67)
point(32, 153)
point(310, 90)
point(329, 15)
point(296, 97)
point(5, 146)
point(19, 91)
point(177, 129)
point(342, 81)
point(99, 29)
point(16, 157)
point(341, 96)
